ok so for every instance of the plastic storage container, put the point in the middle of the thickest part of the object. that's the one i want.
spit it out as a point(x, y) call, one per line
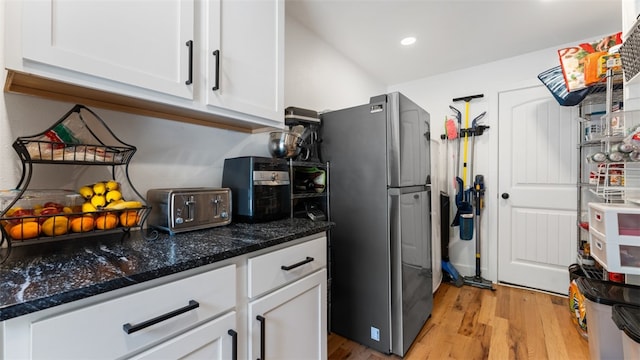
point(614, 236)
point(615, 220)
point(627, 318)
point(33, 199)
point(605, 341)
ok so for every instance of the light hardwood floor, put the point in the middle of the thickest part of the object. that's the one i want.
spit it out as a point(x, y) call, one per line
point(471, 323)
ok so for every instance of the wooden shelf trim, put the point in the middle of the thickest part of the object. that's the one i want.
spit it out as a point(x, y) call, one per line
point(29, 84)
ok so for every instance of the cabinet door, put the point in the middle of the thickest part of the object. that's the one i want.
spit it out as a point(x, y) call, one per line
point(216, 339)
point(246, 72)
point(134, 322)
point(140, 43)
point(293, 321)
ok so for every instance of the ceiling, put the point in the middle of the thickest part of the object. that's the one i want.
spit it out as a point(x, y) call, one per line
point(451, 34)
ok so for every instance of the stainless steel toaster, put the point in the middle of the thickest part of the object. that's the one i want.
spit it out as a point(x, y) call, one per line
point(186, 209)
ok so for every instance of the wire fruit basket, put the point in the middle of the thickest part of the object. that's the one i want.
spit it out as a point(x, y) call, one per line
point(30, 216)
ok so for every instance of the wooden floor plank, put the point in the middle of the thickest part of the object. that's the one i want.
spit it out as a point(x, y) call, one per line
point(488, 308)
point(534, 326)
point(470, 323)
point(554, 343)
point(577, 346)
point(501, 346)
point(519, 304)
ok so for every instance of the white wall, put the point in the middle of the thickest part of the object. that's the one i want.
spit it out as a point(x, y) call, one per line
point(318, 77)
point(435, 94)
point(174, 154)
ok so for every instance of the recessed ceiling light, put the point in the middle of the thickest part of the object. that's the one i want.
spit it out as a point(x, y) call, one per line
point(408, 41)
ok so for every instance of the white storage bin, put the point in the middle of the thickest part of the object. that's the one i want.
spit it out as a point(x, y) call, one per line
point(622, 255)
point(627, 319)
point(614, 236)
point(605, 341)
point(615, 220)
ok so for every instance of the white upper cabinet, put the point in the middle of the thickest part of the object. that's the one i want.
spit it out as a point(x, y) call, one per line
point(140, 43)
point(153, 57)
point(245, 56)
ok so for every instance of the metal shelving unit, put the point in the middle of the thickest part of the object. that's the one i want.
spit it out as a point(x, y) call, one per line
point(600, 179)
point(302, 193)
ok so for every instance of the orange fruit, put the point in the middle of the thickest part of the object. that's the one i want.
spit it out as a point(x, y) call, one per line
point(82, 224)
point(106, 222)
point(129, 218)
point(55, 225)
point(7, 226)
point(25, 230)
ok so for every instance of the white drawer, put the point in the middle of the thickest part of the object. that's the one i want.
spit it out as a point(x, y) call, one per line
point(98, 331)
point(621, 255)
point(274, 269)
point(614, 220)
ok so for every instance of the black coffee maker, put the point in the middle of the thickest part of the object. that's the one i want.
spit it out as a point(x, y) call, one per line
point(310, 119)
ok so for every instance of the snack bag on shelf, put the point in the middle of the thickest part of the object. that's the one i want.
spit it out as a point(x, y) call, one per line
point(572, 59)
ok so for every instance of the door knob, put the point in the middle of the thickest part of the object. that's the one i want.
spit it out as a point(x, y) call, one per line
point(505, 195)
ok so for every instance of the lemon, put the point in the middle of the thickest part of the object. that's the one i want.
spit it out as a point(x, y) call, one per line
point(99, 188)
point(113, 195)
point(88, 207)
point(98, 201)
point(86, 192)
point(112, 185)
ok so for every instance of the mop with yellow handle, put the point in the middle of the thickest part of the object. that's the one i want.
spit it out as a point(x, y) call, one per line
point(464, 215)
point(467, 101)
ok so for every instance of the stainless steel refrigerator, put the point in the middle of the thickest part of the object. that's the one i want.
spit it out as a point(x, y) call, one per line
point(380, 247)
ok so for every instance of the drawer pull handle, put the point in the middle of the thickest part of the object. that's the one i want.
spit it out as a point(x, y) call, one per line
point(216, 86)
point(262, 337)
point(129, 329)
point(190, 46)
point(234, 346)
point(305, 261)
point(599, 245)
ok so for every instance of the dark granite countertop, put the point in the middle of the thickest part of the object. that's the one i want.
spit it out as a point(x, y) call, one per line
point(41, 276)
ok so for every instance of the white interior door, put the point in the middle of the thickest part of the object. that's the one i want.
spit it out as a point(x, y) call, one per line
point(537, 167)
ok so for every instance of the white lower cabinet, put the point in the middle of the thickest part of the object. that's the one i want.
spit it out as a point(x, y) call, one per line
point(204, 313)
point(216, 339)
point(291, 323)
point(290, 320)
point(125, 325)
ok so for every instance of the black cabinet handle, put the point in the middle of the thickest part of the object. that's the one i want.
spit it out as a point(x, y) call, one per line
point(305, 261)
point(129, 329)
point(262, 329)
point(234, 346)
point(190, 46)
point(215, 87)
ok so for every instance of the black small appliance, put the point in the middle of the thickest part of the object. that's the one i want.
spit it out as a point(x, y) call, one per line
point(260, 188)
